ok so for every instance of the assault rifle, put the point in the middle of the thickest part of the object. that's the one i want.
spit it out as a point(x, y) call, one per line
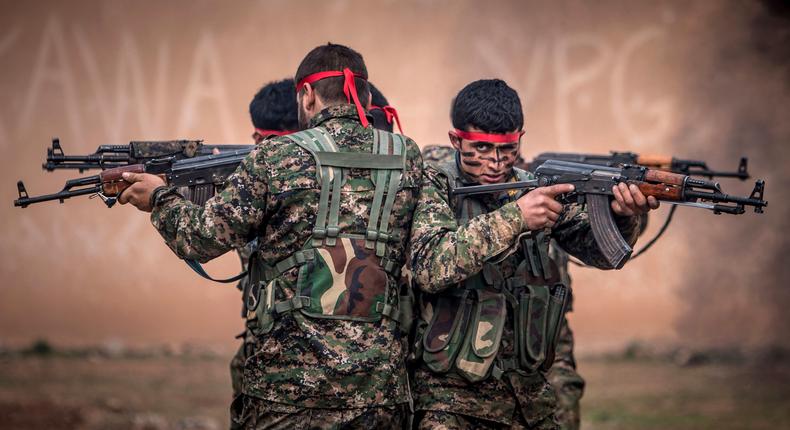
point(615, 159)
point(136, 152)
point(201, 174)
point(593, 187)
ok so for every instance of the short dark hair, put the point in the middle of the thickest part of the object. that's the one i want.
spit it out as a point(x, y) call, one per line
point(379, 116)
point(274, 107)
point(331, 57)
point(488, 104)
point(376, 98)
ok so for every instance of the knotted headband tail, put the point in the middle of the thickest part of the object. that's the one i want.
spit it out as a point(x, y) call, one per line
point(349, 88)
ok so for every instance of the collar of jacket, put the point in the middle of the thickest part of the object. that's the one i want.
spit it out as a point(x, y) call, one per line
point(341, 111)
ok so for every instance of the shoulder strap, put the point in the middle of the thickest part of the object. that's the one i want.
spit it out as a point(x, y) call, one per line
point(316, 141)
point(387, 161)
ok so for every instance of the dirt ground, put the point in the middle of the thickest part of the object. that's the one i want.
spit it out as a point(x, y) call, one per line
point(193, 393)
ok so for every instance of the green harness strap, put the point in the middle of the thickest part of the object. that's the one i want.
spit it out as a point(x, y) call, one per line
point(386, 146)
point(394, 182)
point(386, 162)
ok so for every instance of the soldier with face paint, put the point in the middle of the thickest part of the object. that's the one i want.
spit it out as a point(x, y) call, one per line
point(491, 298)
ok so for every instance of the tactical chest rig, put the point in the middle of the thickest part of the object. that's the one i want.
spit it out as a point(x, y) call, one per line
point(464, 333)
point(342, 275)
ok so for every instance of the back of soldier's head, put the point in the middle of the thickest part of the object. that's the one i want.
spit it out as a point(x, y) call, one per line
point(377, 102)
point(489, 105)
point(273, 109)
point(333, 57)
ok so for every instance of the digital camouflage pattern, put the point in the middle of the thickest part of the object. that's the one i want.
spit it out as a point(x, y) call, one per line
point(436, 420)
point(163, 148)
point(444, 253)
point(563, 375)
point(253, 414)
point(566, 381)
point(437, 154)
point(302, 361)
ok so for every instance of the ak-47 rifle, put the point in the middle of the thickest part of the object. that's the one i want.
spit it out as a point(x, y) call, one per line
point(593, 187)
point(201, 174)
point(136, 152)
point(616, 159)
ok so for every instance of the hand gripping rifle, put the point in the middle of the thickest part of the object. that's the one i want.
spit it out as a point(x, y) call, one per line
point(616, 159)
point(201, 174)
point(593, 187)
point(136, 152)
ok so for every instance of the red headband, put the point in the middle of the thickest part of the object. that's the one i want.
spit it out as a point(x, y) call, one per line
point(489, 137)
point(349, 87)
point(263, 132)
point(390, 113)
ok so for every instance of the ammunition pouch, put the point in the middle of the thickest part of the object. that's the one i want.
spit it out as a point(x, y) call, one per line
point(464, 333)
point(538, 319)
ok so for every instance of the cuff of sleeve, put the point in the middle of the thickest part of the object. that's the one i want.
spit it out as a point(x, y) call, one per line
point(160, 195)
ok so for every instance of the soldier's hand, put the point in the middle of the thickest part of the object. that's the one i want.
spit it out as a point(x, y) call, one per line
point(538, 207)
point(629, 200)
point(139, 193)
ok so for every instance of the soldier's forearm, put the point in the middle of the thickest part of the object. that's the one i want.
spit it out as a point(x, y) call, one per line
point(445, 257)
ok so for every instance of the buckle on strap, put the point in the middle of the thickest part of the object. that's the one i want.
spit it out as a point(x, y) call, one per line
point(502, 366)
point(293, 304)
point(391, 267)
point(319, 233)
point(388, 311)
point(296, 259)
point(332, 231)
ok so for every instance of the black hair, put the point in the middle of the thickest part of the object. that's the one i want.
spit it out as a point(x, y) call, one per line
point(379, 117)
point(376, 98)
point(488, 104)
point(333, 57)
point(274, 107)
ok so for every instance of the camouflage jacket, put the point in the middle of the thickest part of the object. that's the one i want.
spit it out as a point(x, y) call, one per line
point(301, 361)
point(444, 253)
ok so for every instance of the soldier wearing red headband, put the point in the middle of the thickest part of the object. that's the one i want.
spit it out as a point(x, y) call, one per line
point(331, 206)
point(491, 299)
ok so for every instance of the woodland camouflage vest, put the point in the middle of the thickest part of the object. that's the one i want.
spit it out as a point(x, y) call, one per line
point(348, 275)
point(462, 327)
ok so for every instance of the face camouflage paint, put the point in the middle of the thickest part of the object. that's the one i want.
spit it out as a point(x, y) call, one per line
point(487, 157)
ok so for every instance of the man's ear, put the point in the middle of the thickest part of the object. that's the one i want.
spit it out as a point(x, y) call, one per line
point(455, 141)
point(370, 101)
point(308, 98)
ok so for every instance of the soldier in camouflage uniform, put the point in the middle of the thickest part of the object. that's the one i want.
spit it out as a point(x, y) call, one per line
point(331, 207)
point(273, 113)
point(491, 300)
point(564, 378)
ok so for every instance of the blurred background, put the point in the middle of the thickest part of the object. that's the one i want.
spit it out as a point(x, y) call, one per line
point(705, 308)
